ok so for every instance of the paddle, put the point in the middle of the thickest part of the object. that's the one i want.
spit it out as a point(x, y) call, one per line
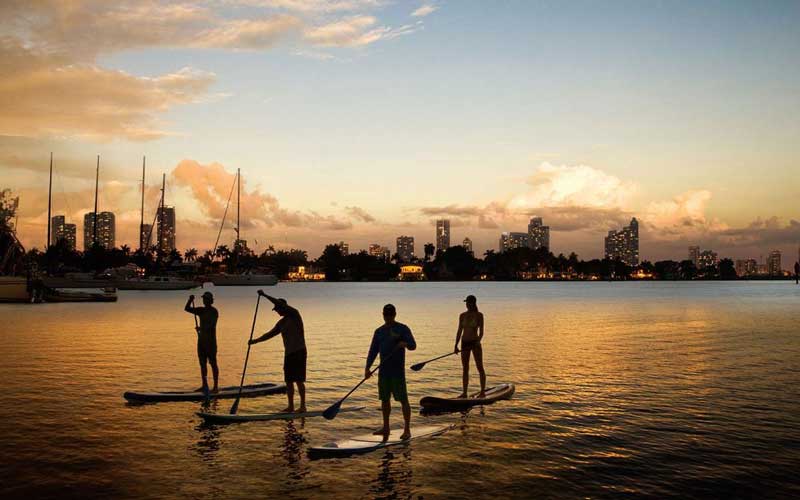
point(196, 326)
point(235, 405)
point(419, 366)
point(333, 409)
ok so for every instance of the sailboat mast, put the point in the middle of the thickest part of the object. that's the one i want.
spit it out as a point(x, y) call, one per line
point(49, 202)
point(96, 185)
point(160, 217)
point(238, 205)
point(142, 243)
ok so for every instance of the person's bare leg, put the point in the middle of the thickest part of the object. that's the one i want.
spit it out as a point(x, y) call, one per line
point(203, 376)
point(407, 420)
point(289, 397)
point(301, 389)
point(465, 372)
point(478, 353)
point(386, 409)
point(215, 373)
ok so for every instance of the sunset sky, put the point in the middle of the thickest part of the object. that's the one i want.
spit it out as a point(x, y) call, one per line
point(361, 120)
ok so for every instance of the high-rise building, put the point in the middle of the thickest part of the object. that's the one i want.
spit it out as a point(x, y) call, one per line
point(146, 236)
point(623, 245)
point(746, 267)
point(774, 263)
point(538, 234)
point(707, 259)
point(344, 248)
point(166, 229)
point(509, 241)
point(694, 255)
point(56, 228)
point(379, 251)
point(405, 248)
point(106, 230)
point(467, 244)
point(70, 236)
point(442, 235)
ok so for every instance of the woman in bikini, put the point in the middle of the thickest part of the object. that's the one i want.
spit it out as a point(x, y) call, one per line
point(470, 333)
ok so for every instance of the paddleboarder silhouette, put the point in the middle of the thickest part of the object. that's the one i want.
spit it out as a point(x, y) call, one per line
point(290, 327)
point(206, 338)
point(391, 340)
point(470, 333)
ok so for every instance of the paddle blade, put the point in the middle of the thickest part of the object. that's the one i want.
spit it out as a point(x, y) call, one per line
point(332, 411)
point(235, 407)
point(417, 367)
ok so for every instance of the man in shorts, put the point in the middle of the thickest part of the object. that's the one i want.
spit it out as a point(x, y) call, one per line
point(391, 340)
point(290, 327)
point(206, 338)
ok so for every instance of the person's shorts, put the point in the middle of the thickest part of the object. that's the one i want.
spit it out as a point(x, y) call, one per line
point(392, 387)
point(294, 366)
point(206, 351)
point(470, 346)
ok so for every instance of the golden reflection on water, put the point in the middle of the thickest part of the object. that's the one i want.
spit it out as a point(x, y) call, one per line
point(611, 377)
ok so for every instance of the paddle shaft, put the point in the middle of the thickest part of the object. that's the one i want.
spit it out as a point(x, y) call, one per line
point(246, 357)
point(420, 365)
point(370, 373)
point(196, 325)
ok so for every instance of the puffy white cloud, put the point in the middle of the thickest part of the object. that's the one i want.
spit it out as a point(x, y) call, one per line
point(424, 10)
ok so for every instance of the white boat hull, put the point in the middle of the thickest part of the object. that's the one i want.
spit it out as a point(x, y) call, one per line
point(243, 279)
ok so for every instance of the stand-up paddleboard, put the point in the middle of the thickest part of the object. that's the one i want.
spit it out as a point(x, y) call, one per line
point(226, 418)
point(370, 442)
point(248, 391)
point(496, 393)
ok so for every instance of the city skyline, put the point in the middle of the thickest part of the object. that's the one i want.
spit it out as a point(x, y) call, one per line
point(583, 123)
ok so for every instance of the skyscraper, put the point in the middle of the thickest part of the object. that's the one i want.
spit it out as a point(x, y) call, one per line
point(405, 248)
point(694, 255)
point(106, 230)
point(379, 251)
point(467, 244)
point(623, 245)
point(56, 229)
point(706, 259)
point(166, 229)
point(442, 235)
point(344, 248)
point(538, 234)
point(70, 236)
point(509, 241)
point(774, 263)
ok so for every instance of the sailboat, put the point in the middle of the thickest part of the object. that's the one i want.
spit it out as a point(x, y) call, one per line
point(248, 278)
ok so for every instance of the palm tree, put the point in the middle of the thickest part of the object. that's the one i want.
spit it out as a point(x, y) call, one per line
point(190, 255)
point(126, 250)
point(429, 251)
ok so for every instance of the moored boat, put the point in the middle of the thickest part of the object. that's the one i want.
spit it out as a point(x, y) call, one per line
point(244, 279)
point(14, 289)
point(156, 283)
point(66, 295)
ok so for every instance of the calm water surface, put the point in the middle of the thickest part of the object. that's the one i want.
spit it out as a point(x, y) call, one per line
point(623, 389)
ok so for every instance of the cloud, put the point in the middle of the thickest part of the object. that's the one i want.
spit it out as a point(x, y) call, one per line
point(41, 95)
point(424, 10)
point(51, 83)
point(360, 214)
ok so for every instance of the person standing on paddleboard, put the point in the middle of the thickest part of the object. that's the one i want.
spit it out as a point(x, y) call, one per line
point(290, 327)
point(470, 333)
point(206, 337)
point(391, 340)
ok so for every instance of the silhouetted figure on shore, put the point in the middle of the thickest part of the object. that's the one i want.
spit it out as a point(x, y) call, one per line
point(797, 273)
point(290, 327)
point(206, 338)
point(470, 333)
point(391, 340)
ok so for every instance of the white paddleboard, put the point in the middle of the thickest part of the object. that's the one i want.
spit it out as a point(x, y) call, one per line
point(369, 442)
point(227, 418)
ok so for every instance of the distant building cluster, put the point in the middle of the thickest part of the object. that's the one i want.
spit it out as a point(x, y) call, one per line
point(61, 230)
point(708, 259)
point(405, 248)
point(623, 245)
point(100, 229)
point(379, 251)
point(538, 236)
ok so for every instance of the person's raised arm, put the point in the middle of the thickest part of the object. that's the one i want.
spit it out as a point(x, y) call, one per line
point(268, 297)
point(374, 347)
point(458, 333)
point(188, 307)
point(275, 331)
